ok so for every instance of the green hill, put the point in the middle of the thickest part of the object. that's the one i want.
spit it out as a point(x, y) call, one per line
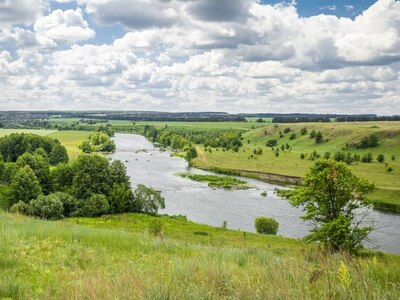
point(116, 258)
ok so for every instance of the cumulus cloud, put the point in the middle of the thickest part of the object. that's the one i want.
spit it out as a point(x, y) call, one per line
point(236, 55)
point(64, 26)
point(14, 12)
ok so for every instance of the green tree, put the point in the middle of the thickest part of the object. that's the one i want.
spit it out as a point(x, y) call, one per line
point(312, 134)
point(118, 172)
point(58, 154)
point(318, 137)
point(121, 198)
point(62, 177)
point(39, 166)
point(380, 158)
point(330, 195)
point(96, 205)
point(266, 225)
point(24, 186)
point(48, 207)
point(91, 176)
point(148, 200)
point(191, 154)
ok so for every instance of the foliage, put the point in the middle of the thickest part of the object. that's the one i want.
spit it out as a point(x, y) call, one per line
point(22, 208)
point(266, 225)
point(91, 176)
point(225, 182)
point(367, 157)
point(98, 142)
point(62, 178)
point(121, 198)
point(330, 195)
point(272, 143)
point(58, 154)
point(368, 141)
point(48, 207)
point(380, 158)
point(70, 203)
point(191, 154)
point(148, 200)
point(24, 186)
point(156, 228)
point(95, 205)
point(318, 137)
point(344, 275)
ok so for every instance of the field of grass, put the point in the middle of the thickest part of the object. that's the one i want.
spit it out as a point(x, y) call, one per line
point(4, 132)
point(225, 182)
point(71, 140)
point(289, 161)
point(116, 258)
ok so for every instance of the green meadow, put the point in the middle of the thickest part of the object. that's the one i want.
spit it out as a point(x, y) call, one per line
point(115, 257)
point(4, 132)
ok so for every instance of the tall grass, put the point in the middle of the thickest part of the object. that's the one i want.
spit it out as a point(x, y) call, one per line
point(63, 260)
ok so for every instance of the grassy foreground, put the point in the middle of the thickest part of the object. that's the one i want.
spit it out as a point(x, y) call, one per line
point(115, 258)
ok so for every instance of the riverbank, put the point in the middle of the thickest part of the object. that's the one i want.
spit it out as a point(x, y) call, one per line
point(116, 257)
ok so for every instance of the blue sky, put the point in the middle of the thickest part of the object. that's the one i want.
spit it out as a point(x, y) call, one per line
point(320, 56)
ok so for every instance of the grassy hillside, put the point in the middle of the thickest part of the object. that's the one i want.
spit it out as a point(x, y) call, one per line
point(116, 258)
point(336, 134)
point(71, 140)
point(4, 132)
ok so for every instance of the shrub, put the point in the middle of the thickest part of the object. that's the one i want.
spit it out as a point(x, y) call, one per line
point(264, 194)
point(349, 159)
point(21, 208)
point(318, 137)
point(339, 156)
point(266, 225)
point(393, 158)
point(389, 170)
point(276, 154)
point(148, 200)
point(303, 131)
point(286, 130)
point(70, 203)
point(292, 136)
point(367, 158)
point(94, 206)
point(380, 158)
point(48, 207)
point(327, 155)
point(312, 134)
point(302, 155)
point(272, 143)
point(156, 228)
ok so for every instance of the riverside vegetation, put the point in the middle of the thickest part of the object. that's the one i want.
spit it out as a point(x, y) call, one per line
point(158, 257)
point(225, 182)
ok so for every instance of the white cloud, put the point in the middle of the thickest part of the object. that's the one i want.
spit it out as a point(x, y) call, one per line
point(13, 12)
point(64, 26)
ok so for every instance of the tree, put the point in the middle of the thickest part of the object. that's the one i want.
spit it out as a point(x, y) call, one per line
point(118, 172)
point(318, 137)
point(380, 158)
point(266, 225)
point(62, 177)
point(121, 198)
point(148, 200)
point(24, 186)
point(58, 154)
point(303, 131)
point(312, 134)
point(48, 207)
point(367, 157)
point(91, 176)
point(330, 196)
point(96, 205)
point(191, 154)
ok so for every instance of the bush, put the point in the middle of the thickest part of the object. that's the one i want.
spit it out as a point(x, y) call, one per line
point(292, 136)
point(272, 143)
point(95, 206)
point(312, 134)
point(70, 203)
point(302, 155)
point(266, 225)
point(148, 200)
point(156, 228)
point(318, 137)
point(380, 158)
point(286, 130)
point(327, 155)
point(303, 131)
point(389, 170)
point(21, 208)
point(48, 207)
point(367, 158)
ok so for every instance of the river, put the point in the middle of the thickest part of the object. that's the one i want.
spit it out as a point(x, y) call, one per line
point(148, 165)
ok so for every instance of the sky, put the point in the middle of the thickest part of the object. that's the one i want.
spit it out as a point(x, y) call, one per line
point(309, 56)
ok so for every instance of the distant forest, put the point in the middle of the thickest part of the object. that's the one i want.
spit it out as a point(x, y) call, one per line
point(41, 119)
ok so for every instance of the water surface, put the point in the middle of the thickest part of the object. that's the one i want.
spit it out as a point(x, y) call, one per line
point(147, 165)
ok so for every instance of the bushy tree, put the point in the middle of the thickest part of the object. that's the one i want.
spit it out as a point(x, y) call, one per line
point(266, 225)
point(21, 208)
point(303, 131)
point(367, 157)
point(318, 137)
point(24, 186)
point(39, 166)
point(62, 177)
point(118, 172)
point(312, 134)
point(91, 176)
point(330, 196)
point(148, 200)
point(272, 143)
point(48, 207)
point(70, 203)
point(380, 158)
point(191, 154)
point(96, 205)
point(58, 154)
point(121, 198)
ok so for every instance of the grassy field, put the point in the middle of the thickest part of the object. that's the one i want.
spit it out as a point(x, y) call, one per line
point(4, 132)
point(116, 258)
point(290, 163)
point(71, 140)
